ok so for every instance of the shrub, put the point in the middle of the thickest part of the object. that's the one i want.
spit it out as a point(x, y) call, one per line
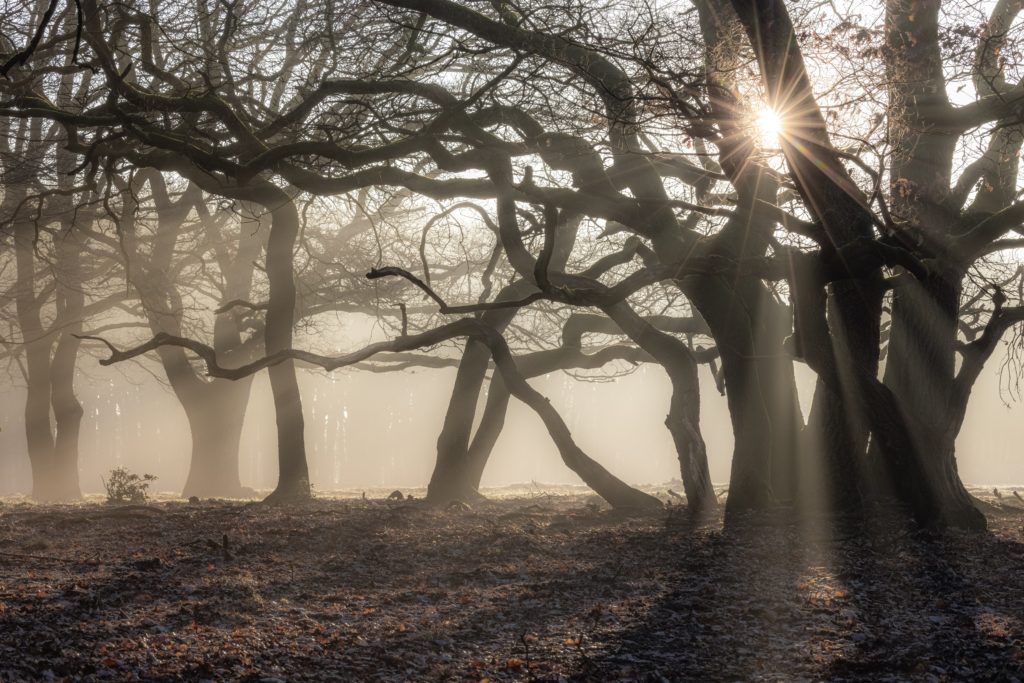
point(127, 487)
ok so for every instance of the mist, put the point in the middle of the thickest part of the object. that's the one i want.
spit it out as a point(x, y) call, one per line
point(416, 340)
point(373, 431)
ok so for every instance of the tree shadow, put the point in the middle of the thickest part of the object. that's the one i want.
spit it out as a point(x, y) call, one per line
point(783, 603)
point(935, 605)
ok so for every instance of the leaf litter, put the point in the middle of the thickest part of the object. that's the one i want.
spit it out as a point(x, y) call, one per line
point(537, 588)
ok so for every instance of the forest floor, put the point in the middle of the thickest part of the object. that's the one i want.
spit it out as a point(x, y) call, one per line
point(531, 586)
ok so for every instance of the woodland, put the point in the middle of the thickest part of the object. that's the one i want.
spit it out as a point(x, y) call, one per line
point(745, 190)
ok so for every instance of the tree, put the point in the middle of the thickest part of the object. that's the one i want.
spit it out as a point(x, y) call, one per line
point(580, 140)
point(215, 409)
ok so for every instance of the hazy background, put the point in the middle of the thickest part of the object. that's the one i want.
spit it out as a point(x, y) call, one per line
point(373, 430)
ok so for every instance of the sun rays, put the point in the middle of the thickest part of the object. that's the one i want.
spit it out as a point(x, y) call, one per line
point(769, 127)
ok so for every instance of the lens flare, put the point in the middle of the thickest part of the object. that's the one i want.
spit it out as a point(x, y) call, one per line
point(769, 127)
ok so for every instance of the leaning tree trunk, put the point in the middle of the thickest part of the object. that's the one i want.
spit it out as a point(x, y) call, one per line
point(487, 432)
point(619, 494)
point(457, 472)
point(683, 420)
point(452, 478)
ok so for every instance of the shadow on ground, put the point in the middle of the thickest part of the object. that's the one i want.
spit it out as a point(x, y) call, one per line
point(538, 588)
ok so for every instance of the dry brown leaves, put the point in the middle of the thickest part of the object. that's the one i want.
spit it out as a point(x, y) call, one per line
point(546, 588)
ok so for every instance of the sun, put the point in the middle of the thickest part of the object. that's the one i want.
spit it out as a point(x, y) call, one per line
point(769, 127)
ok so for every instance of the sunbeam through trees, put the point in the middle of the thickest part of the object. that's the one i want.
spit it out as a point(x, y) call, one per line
point(464, 339)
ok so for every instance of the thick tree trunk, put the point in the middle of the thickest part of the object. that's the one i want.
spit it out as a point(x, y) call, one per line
point(683, 422)
point(837, 432)
point(920, 372)
point(452, 478)
point(38, 346)
point(849, 348)
point(215, 421)
point(67, 410)
point(38, 428)
point(749, 329)
point(217, 418)
point(832, 461)
point(215, 409)
point(748, 325)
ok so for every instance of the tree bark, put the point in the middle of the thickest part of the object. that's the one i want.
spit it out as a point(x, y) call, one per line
point(487, 432)
point(750, 329)
point(451, 478)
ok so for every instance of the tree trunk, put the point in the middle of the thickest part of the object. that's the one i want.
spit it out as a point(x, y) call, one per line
point(452, 478)
point(837, 432)
point(68, 413)
point(832, 465)
point(920, 368)
point(488, 431)
point(455, 474)
point(38, 346)
point(213, 469)
point(293, 472)
point(215, 409)
point(749, 329)
point(215, 421)
point(67, 410)
point(38, 428)
point(616, 492)
point(683, 420)
point(749, 326)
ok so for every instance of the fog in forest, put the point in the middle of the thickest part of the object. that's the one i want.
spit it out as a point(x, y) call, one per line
point(379, 430)
point(511, 340)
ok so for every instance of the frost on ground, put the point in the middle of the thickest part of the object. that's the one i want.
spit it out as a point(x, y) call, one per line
point(528, 587)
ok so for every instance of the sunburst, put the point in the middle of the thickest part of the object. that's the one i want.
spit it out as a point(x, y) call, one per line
point(769, 127)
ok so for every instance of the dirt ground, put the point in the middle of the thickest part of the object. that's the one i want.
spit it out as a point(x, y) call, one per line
point(526, 587)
